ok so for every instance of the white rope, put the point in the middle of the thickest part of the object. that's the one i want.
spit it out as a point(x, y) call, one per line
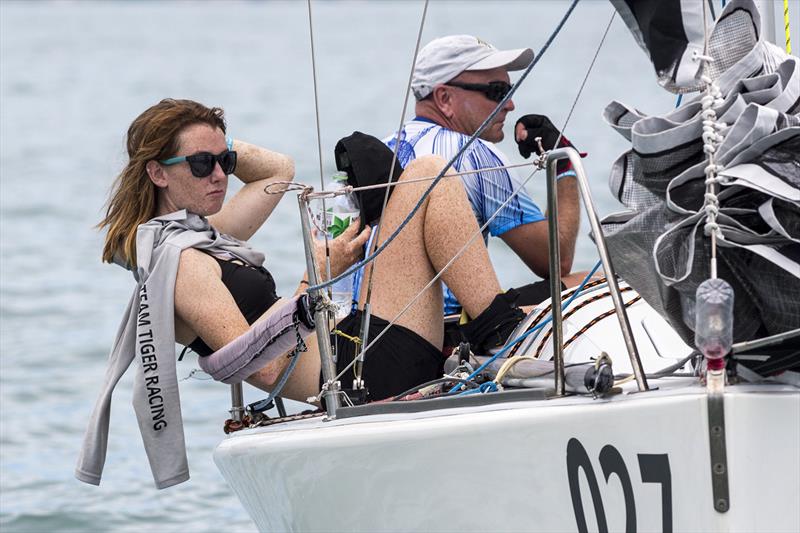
point(711, 141)
point(712, 138)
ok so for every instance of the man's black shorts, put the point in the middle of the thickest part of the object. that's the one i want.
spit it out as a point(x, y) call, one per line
point(400, 360)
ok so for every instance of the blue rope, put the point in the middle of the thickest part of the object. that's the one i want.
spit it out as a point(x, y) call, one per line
point(489, 386)
point(449, 164)
point(276, 391)
point(522, 337)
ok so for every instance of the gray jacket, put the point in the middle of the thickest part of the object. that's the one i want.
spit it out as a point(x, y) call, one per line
point(147, 334)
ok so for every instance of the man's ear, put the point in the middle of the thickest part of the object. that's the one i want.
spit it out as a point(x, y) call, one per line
point(156, 174)
point(443, 100)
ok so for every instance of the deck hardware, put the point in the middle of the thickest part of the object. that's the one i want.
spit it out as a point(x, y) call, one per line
point(237, 402)
point(279, 405)
point(331, 389)
point(718, 452)
point(555, 271)
point(358, 368)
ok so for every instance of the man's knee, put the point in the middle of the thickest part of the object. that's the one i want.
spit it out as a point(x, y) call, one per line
point(429, 165)
point(576, 278)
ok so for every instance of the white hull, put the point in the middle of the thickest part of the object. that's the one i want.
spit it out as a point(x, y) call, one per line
point(507, 466)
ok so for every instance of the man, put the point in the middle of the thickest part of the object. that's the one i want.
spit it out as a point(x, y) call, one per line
point(458, 81)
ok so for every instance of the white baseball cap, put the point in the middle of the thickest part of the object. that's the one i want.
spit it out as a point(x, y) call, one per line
point(444, 58)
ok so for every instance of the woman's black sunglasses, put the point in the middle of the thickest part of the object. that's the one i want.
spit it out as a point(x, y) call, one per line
point(202, 164)
point(494, 90)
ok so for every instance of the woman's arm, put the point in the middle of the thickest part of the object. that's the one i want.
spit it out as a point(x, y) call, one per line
point(204, 307)
point(243, 214)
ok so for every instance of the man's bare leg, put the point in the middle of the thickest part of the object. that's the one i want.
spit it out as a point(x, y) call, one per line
point(432, 237)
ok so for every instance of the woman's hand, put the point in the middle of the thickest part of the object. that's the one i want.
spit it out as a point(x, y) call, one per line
point(345, 250)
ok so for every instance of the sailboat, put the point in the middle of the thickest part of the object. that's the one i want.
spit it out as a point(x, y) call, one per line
point(601, 424)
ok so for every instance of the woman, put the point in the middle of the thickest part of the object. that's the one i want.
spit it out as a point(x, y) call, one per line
point(200, 285)
point(215, 300)
point(197, 282)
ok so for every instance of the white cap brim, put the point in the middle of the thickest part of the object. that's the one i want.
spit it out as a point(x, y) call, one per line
point(510, 59)
point(444, 58)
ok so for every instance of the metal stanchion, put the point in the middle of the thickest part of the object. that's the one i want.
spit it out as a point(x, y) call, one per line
point(600, 242)
point(331, 394)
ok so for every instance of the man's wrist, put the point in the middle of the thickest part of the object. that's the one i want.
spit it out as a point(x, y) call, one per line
point(567, 174)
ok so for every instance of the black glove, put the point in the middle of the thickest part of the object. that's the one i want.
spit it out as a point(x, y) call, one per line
point(305, 310)
point(492, 327)
point(540, 126)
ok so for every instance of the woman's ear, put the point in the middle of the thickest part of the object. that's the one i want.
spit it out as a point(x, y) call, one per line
point(156, 174)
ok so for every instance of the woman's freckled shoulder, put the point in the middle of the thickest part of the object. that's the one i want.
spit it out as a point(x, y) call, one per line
point(197, 264)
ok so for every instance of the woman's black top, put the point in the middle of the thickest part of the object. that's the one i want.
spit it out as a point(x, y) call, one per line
point(252, 288)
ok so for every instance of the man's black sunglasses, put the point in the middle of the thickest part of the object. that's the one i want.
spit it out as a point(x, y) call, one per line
point(494, 90)
point(202, 164)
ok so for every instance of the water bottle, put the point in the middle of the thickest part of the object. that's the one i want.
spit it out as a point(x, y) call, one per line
point(340, 212)
point(713, 332)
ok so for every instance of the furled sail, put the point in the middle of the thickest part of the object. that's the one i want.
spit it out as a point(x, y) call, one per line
point(670, 32)
point(659, 246)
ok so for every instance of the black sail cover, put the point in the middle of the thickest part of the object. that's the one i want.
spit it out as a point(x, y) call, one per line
point(660, 246)
point(669, 31)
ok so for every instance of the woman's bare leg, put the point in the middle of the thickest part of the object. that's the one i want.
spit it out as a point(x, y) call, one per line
point(431, 238)
point(304, 381)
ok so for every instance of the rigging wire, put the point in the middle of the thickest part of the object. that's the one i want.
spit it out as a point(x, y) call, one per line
point(586, 77)
point(295, 186)
point(319, 138)
point(397, 138)
point(458, 154)
point(436, 277)
point(330, 315)
point(366, 315)
point(316, 99)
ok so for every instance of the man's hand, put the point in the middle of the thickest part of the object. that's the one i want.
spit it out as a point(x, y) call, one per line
point(529, 127)
point(345, 250)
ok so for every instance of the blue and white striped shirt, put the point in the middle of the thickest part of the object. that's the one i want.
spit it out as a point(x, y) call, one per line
point(486, 190)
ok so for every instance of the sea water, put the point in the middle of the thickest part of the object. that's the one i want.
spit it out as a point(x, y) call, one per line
point(73, 75)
